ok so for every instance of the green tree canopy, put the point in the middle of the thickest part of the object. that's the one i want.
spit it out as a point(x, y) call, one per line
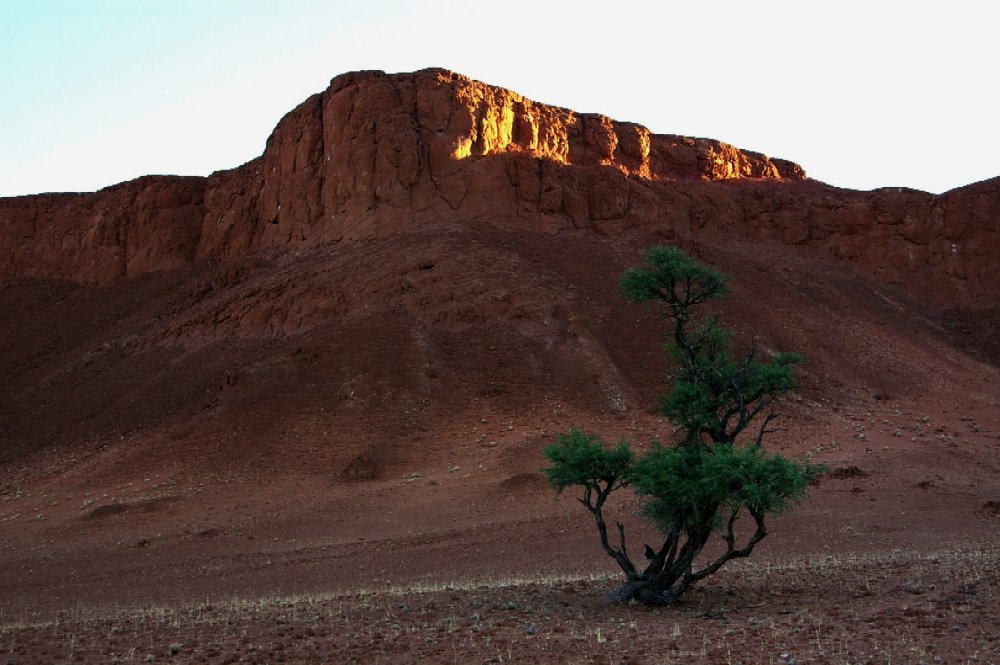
point(702, 483)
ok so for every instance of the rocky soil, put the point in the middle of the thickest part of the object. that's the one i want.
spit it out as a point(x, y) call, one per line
point(927, 607)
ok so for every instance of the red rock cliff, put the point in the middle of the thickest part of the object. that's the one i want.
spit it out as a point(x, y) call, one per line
point(378, 154)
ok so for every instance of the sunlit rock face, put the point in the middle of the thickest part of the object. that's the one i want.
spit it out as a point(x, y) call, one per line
point(376, 155)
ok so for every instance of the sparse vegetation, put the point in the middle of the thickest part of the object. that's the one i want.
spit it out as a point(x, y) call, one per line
point(717, 469)
point(894, 606)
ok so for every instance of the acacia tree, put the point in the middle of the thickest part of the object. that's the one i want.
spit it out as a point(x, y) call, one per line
point(716, 470)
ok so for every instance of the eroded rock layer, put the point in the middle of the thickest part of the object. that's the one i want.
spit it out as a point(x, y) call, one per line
point(377, 155)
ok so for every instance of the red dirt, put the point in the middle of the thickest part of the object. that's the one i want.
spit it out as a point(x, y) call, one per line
point(309, 428)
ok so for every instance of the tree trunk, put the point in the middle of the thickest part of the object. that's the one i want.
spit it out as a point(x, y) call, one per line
point(642, 591)
point(666, 586)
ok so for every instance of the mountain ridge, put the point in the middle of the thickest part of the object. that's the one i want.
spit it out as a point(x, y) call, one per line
point(378, 154)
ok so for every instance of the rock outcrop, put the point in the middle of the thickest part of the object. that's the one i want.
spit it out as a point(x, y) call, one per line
point(376, 155)
point(152, 223)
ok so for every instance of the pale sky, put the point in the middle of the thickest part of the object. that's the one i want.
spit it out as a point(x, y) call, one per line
point(861, 94)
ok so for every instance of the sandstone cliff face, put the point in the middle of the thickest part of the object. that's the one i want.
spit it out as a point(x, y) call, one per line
point(152, 223)
point(376, 155)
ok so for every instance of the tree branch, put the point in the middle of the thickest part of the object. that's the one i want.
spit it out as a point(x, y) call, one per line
point(747, 417)
point(731, 552)
point(763, 428)
point(620, 557)
point(621, 539)
point(665, 556)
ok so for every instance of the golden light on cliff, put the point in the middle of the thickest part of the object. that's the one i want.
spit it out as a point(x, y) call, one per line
point(463, 148)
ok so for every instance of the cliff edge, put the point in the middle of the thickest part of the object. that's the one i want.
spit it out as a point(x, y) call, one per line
point(376, 155)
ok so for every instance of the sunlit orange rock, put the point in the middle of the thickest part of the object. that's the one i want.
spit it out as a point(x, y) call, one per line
point(376, 155)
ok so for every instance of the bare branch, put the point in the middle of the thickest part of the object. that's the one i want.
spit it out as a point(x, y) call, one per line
point(664, 557)
point(619, 555)
point(732, 553)
point(763, 428)
point(621, 539)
